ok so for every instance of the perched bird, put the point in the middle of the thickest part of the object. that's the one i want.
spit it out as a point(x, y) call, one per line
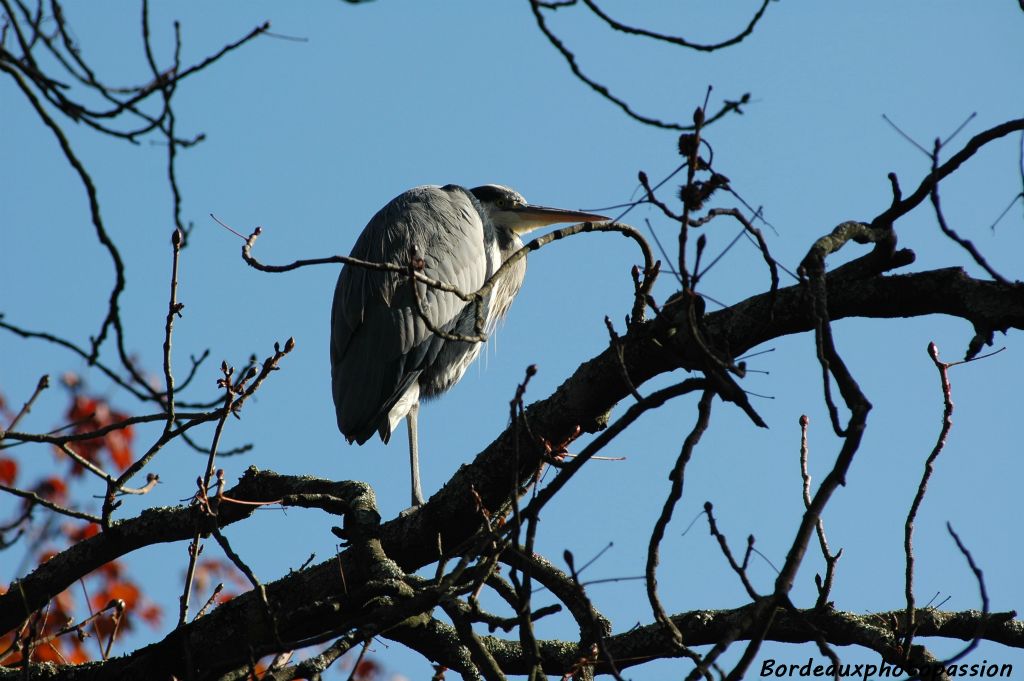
point(384, 358)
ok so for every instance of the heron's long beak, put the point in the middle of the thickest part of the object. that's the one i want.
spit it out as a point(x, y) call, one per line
point(530, 217)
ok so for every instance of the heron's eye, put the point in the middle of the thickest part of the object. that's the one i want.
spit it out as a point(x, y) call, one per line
point(501, 203)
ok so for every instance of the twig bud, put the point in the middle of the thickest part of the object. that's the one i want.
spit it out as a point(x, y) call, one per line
point(687, 142)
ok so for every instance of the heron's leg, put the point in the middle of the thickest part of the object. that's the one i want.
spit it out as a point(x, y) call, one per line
point(414, 458)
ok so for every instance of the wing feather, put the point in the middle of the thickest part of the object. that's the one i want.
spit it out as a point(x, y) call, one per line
point(379, 345)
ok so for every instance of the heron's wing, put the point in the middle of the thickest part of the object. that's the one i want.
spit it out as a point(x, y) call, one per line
point(379, 345)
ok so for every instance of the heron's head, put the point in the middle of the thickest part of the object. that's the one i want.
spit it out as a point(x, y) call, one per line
point(508, 210)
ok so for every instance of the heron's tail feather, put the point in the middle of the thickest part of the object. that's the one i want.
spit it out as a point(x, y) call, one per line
point(386, 419)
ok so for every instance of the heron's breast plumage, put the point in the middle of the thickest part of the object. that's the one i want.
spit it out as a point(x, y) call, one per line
point(456, 356)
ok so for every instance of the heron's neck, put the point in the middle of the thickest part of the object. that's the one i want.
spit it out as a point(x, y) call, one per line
point(508, 242)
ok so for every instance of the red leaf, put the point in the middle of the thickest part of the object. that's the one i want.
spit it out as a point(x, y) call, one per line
point(212, 570)
point(77, 533)
point(110, 571)
point(8, 470)
point(82, 409)
point(51, 652)
point(367, 670)
point(88, 415)
point(119, 445)
point(124, 591)
point(78, 654)
point(152, 614)
point(62, 606)
point(53, 489)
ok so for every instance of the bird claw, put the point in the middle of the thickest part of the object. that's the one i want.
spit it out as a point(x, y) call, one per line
point(409, 511)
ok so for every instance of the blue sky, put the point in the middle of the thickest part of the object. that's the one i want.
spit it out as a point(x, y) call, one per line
point(308, 139)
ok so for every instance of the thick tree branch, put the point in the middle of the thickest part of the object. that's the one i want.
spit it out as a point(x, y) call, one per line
point(154, 526)
point(439, 642)
point(584, 399)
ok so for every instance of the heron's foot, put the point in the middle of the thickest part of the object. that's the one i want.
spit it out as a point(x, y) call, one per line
point(409, 511)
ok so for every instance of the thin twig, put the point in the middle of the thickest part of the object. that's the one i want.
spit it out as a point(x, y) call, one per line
point(824, 585)
point(676, 40)
point(41, 385)
point(950, 232)
point(46, 503)
point(173, 309)
point(676, 476)
point(922, 487)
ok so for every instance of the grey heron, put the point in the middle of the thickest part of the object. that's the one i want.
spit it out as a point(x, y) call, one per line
point(384, 358)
